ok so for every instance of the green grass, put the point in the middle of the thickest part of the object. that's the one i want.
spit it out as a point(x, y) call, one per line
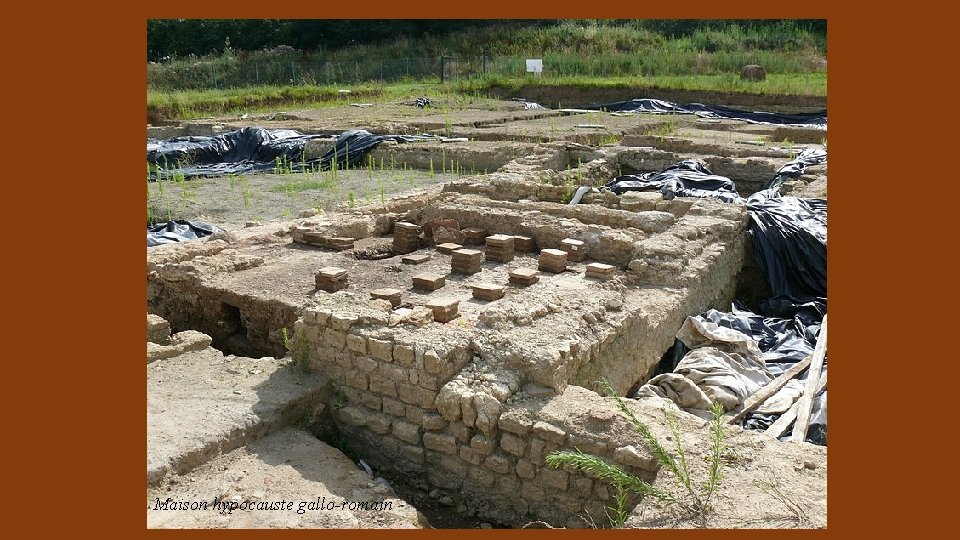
point(569, 48)
point(585, 54)
point(192, 104)
point(696, 497)
point(299, 186)
point(803, 84)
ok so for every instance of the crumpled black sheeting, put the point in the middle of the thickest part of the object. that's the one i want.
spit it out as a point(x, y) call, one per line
point(181, 230)
point(786, 335)
point(790, 237)
point(256, 150)
point(792, 169)
point(688, 178)
point(816, 119)
point(249, 144)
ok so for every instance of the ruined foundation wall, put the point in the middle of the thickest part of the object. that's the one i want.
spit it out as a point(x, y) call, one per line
point(241, 324)
point(430, 408)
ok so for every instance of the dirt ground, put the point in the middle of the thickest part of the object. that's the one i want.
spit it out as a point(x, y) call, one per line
point(262, 198)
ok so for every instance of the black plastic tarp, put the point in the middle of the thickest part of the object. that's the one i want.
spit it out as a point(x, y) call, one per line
point(789, 233)
point(790, 240)
point(817, 119)
point(180, 230)
point(256, 150)
point(785, 335)
point(688, 178)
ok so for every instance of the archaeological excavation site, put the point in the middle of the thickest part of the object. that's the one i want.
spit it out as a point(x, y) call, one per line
point(489, 313)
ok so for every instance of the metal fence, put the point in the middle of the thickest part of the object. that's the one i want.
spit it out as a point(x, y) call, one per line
point(234, 73)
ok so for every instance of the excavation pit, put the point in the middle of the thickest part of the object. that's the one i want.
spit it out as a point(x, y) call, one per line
point(462, 394)
point(446, 385)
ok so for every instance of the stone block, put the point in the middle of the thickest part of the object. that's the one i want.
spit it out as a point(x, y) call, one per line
point(331, 279)
point(514, 445)
point(466, 261)
point(576, 250)
point(445, 308)
point(383, 386)
point(433, 422)
point(440, 442)
point(357, 343)
point(428, 281)
point(488, 291)
point(498, 463)
point(418, 258)
point(600, 271)
point(552, 260)
point(404, 355)
point(549, 432)
point(393, 407)
point(524, 276)
point(380, 349)
point(391, 295)
point(448, 247)
point(406, 431)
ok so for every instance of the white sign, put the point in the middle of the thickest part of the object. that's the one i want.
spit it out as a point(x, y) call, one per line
point(534, 65)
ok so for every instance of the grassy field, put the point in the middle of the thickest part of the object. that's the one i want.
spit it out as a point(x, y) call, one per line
point(582, 54)
point(190, 104)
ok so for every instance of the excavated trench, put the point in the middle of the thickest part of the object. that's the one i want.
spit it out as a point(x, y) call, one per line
point(459, 415)
point(449, 407)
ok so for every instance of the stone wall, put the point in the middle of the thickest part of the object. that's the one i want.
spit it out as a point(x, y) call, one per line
point(431, 409)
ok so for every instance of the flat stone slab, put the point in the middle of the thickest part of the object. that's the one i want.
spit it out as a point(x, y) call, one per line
point(428, 281)
point(448, 247)
point(599, 270)
point(553, 260)
point(444, 309)
point(415, 259)
point(392, 295)
point(488, 291)
point(524, 276)
point(332, 272)
point(201, 404)
point(288, 466)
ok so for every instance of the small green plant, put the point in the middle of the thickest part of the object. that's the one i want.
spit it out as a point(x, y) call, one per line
point(299, 348)
point(611, 139)
point(568, 189)
point(352, 199)
point(245, 191)
point(696, 498)
point(432, 173)
point(791, 149)
point(665, 129)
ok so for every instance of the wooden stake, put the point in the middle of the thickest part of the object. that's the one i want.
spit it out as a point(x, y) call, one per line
point(770, 389)
point(806, 400)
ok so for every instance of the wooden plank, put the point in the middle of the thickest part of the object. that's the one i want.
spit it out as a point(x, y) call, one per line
point(770, 389)
point(777, 428)
point(816, 365)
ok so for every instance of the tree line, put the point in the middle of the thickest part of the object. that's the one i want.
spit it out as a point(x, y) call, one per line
point(177, 38)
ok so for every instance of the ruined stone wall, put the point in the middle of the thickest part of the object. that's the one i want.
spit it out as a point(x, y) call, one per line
point(178, 289)
point(430, 408)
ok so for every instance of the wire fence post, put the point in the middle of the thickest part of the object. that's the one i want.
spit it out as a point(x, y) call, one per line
point(442, 70)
